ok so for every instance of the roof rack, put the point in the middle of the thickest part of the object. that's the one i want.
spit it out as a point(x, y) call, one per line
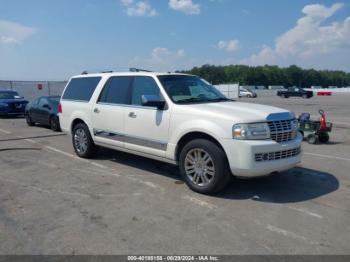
point(102, 72)
point(111, 71)
point(139, 70)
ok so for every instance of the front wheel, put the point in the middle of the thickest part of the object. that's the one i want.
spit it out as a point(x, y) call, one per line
point(29, 120)
point(312, 139)
point(204, 166)
point(83, 144)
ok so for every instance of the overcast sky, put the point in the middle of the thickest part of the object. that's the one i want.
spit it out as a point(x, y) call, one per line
point(52, 40)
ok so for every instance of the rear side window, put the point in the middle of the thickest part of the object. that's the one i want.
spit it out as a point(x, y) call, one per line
point(81, 89)
point(43, 101)
point(116, 90)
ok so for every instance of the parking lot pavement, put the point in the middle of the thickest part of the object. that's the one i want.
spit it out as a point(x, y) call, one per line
point(55, 203)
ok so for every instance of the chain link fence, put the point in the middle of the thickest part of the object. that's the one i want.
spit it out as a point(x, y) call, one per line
point(33, 89)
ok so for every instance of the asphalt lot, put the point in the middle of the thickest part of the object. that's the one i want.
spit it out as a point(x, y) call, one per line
point(55, 203)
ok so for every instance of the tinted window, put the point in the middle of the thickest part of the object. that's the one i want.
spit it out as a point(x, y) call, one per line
point(116, 90)
point(143, 85)
point(43, 101)
point(8, 95)
point(81, 89)
point(35, 102)
point(54, 100)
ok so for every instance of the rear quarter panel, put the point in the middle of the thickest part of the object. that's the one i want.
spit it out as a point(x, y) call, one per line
point(72, 110)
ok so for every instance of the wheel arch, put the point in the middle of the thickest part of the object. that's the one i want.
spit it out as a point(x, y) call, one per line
point(75, 122)
point(191, 136)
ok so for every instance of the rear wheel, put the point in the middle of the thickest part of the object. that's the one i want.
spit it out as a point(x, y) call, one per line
point(55, 123)
point(204, 167)
point(83, 144)
point(323, 137)
point(29, 120)
point(312, 139)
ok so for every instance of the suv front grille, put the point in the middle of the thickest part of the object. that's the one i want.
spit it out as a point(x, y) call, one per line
point(282, 131)
point(260, 157)
point(17, 107)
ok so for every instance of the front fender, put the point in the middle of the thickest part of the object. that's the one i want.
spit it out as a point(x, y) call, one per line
point(179, 129)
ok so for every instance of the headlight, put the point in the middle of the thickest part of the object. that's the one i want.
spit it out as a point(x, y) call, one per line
point(253, 131)
point(3, 105)
point(294, 124)
point(295, 127)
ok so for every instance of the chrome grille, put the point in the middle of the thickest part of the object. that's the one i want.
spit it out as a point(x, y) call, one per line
point(260, 157)
point(282, 131)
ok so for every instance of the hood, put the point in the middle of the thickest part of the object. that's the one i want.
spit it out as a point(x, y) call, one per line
point(22, 101)
point(239, 112)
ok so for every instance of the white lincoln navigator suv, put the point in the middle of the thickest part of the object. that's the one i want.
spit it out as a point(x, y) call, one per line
point(179, 119)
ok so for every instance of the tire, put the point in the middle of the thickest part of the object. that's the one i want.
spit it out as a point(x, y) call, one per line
point(29, 120)
point(55, 124)
point(312, 139)
point(323, 137)
point(249, 96)
point(219, 174)
point(82, 141)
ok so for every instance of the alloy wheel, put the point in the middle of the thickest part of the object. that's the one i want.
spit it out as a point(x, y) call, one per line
point(199, 167)
point(80, 141)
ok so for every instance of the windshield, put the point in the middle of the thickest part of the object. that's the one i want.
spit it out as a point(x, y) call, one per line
point(8, 95)
point(184, 89)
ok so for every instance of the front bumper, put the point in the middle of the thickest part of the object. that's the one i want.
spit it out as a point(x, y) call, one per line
point(241, 156)
point(9, 112)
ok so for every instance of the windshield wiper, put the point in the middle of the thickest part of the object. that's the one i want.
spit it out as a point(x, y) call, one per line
point(192, 99)
point(220, 99)
point(201, 100)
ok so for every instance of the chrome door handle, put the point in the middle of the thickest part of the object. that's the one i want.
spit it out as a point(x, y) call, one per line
point(132, 115)
point(96, 110)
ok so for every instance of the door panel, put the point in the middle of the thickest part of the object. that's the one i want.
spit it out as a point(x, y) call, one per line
point(33, 110)
point(147, 130)
point(42, 114)
point(108, 124)
point(109, 113)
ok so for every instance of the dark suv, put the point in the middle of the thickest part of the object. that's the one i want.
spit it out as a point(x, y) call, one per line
point(295, 91)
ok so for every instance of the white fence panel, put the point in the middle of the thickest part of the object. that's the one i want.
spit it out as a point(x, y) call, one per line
point(229, 90)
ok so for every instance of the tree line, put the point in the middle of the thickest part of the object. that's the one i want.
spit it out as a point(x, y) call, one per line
point(271, 75)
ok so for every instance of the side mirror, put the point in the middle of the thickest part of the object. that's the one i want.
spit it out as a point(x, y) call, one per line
point(152, 101)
